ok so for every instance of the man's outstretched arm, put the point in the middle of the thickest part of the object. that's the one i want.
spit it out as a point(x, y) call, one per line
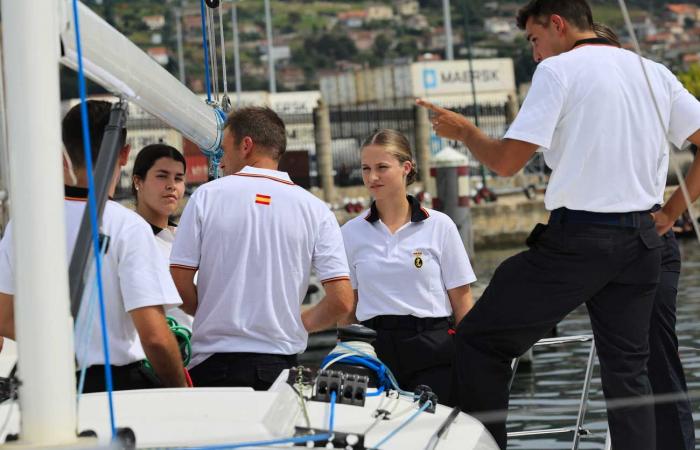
point(504, 156)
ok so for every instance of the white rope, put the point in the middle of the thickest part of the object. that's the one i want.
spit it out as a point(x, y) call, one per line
point(674, 164)
point(352, 348)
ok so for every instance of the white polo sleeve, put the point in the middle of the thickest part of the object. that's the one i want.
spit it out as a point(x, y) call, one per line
point(186, 251)
point(454, 262)
point(329, 260)
point(539, 115)
point(347, 242)
point(685, 113)
point(7, 267)
point(143, 271)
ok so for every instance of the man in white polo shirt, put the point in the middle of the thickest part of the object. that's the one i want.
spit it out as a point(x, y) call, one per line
point(254, 236)
point(135, 281)
point(591, 113)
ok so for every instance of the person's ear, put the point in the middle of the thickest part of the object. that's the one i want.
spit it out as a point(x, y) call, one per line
point(558, 23)
point(407, 166)
point(138, 182)
point(247, 146)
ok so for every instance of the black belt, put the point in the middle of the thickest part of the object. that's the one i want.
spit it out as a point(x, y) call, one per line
point(391, 322)
point(627, 220)
point(125, 368)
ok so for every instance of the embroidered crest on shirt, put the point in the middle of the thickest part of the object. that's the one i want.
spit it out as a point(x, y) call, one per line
point(417, 259)
point(261, 199)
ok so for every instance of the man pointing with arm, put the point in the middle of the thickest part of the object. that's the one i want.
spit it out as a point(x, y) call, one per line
point(600, 246)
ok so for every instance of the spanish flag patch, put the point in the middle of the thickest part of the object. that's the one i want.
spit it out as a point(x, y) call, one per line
point(263, 199)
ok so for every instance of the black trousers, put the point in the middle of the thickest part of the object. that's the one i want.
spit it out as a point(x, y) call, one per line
point(124, 378)
point(417, 351)
point(256, 370)
point(615, 271)
point(675, 429)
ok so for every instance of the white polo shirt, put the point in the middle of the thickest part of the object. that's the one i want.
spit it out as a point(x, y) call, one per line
point(165, 238)
point(134, 275)
point(410, 271)
point(254, 237)
point(591, 112)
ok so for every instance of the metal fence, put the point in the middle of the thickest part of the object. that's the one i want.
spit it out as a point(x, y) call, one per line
point(351, 125)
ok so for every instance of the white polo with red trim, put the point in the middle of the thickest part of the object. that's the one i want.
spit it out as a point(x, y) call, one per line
point(410, 271)
point(134, 275)
point(255, 237)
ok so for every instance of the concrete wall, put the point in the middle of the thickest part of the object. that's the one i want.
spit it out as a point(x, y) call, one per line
point(506, 223)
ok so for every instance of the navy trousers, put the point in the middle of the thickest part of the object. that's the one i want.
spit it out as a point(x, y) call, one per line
point(675, 429)
point(256, 370)
point(614, 270)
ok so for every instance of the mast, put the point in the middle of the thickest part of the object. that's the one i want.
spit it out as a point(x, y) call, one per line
point(270, 48)
point(44, 326)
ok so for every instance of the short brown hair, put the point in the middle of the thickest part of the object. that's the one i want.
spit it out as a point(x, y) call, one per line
point(98, 112)
point(577, 12)
point(262, 125)
point(397, 145)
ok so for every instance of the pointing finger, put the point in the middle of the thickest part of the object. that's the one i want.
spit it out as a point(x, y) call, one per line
point(426, 104)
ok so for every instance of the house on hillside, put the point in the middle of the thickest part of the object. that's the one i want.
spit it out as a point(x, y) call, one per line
point(363, 39)
point(352, 19)
point(379, 12)
point(682, 13)
point(160, 54)
point(407, 7)
point(155, 22)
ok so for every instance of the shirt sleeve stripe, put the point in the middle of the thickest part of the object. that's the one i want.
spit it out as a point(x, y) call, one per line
point(181, 266)
point(329, 280)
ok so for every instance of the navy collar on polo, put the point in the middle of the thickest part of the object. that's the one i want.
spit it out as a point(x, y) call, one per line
point(418, 213)
point(157, 229)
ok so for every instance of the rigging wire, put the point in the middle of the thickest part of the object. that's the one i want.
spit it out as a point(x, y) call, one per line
point(403, 425)
point(212, 53)
point(207, 78)
point(674, 164)
point(92, 208)
point(225, 102)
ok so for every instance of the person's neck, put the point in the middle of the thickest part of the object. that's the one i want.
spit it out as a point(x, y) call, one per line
point(262, 162)
point(394, 211)
point(151, 216)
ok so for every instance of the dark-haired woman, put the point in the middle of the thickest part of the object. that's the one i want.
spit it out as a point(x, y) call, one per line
point(158, 184)
point(409, 269)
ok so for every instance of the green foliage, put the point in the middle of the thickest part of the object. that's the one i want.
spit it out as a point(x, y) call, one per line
point(321, 52)
point(691, 79)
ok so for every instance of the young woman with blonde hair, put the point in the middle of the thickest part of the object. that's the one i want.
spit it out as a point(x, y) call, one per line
point(409, 269)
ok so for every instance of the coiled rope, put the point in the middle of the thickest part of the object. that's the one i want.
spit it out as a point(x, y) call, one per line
point(362, 354)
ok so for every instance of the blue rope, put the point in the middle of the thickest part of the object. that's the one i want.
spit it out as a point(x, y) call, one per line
point(331, 420)
point(375, 393)
point(385, 378)
point(207, 77)
point(413, 416)
point(215, 152)
point(93, 215)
